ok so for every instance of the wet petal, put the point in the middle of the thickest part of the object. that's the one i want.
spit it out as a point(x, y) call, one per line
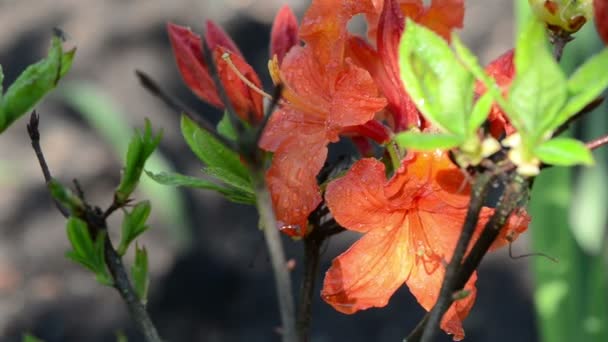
point(433, 238)
point(355, 100)
point(292, 178)
point(284, 33)
point(369, 272)
point(358, 202)
point(187, 50)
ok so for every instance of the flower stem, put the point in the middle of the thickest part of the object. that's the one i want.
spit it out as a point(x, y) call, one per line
point(444, 300)
point(277, 257)
point(312, 248)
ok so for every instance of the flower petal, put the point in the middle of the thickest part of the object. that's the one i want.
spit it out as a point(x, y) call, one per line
point(247, 102)
point(284, 33)
point(355, 100)
point(443, 16)
point(324, 28)
point(369, 272)
point(502, 70)
point(292, 179)
point(215, 37)
point(187, 50)
point(600, 7)
point(358, 202)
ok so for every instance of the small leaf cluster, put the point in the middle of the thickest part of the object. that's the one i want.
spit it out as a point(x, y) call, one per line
point(541, 99)
point(86, 227)
point(33, 83)
point(228, 173)
point(140, 148)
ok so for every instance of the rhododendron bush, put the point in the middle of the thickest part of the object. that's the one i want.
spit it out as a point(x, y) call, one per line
point(444, 150)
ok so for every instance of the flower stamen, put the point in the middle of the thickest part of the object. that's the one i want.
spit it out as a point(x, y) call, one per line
point(226, 57)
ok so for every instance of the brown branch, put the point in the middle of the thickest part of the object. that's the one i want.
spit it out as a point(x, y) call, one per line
point(444, 299)
point(601, 141)
point(149, 84)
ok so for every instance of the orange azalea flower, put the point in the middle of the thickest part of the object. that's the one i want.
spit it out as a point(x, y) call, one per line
point(325, 95)
point(187, 48)
point(410, 224)
point(386, 28)
point(600, 7)
point(502, 70)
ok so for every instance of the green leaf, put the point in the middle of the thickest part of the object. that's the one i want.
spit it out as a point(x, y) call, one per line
point(141, 147)
point(30, 338)
point(176, 179)
point(585, 85)
point(210, 151)
point(564, 152)
point(85, 251)
point(33, 83)
point(224, 127)
point(536, 96)
point(531, 40)
point(66, 197)
point(470, 62)
point(437, 82)
point(139, 274)
point(230, 179)
point(425, 141)
point(480, 113)
point(133, 225)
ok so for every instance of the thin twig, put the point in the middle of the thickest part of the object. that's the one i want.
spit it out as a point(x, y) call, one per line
point(601, 141)
point(123, 285)
point(149, 84)
point(96, 221)
point(34, 133)
point(444, 299)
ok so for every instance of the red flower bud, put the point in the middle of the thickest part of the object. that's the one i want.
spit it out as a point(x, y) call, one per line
point(284, 34)
point(601, 18)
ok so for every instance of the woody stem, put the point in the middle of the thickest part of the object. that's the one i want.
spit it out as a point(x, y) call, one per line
point(444, 300)
point(277, 256)
point(312, 248)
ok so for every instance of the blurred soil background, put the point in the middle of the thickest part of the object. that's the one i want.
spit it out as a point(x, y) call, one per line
point(211, 279)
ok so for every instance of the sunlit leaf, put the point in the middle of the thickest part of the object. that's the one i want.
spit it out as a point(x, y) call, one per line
point(437, 82)
point(426, 142)
point(564, 152)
